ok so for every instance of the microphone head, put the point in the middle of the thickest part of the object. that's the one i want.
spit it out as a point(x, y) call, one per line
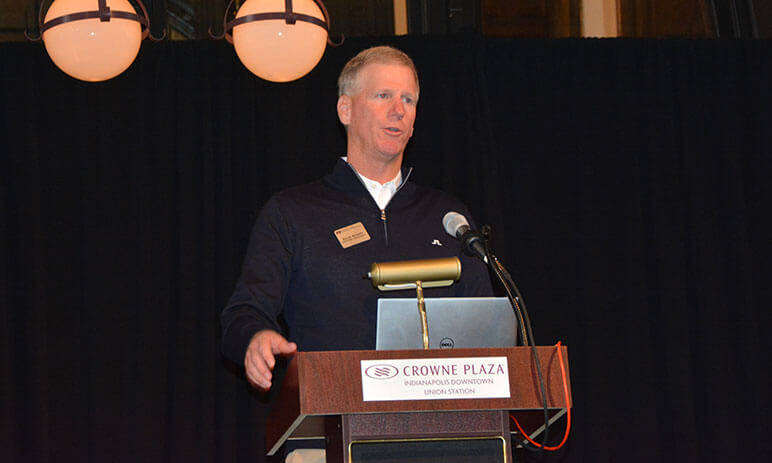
point(455, 224)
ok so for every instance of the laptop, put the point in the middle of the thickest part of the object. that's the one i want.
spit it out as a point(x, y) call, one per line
point(454, 322)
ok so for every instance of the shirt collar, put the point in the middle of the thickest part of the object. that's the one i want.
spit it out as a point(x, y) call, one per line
point(381, 193)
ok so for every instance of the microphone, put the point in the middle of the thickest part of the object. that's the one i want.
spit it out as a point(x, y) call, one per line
point(456, 225)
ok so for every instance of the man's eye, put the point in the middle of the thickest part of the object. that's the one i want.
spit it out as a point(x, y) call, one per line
point(407, 99)
point(382, 95)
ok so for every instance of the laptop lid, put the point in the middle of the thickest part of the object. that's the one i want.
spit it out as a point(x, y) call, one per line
point(453, 322)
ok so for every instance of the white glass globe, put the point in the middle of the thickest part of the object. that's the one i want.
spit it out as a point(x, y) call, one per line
point(274, 50)
point(89, 49)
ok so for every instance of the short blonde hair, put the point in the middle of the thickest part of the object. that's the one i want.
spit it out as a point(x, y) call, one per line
point(349, 76)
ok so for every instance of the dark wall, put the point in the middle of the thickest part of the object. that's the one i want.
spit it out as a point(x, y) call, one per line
point(626, 182)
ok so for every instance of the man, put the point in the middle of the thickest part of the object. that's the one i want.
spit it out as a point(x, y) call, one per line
point(302, 285)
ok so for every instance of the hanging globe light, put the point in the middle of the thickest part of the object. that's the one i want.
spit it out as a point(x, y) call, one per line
point(279, 40)
point(93, 40)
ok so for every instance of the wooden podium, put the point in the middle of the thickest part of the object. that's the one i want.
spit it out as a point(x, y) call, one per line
point(322, 397)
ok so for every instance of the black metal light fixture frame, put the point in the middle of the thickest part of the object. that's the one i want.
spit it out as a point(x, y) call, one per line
point(288, 15)
point(103, 12)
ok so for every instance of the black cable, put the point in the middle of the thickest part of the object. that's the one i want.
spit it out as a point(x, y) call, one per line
point(522, 315)
point(513, 300)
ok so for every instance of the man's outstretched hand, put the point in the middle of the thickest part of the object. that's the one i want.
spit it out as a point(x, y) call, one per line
point(261, 356)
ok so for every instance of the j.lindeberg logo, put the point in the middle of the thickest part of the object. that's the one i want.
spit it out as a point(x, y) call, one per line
point(381, 371)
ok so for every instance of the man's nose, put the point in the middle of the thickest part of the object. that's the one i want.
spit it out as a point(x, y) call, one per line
point(398, 109)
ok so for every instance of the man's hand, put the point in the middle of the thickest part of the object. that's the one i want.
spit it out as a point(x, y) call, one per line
point(260, 359)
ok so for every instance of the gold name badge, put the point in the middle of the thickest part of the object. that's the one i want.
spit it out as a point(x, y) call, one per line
point(352, 235)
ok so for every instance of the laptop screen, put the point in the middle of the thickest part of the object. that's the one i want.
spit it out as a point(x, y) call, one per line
point(453, 322)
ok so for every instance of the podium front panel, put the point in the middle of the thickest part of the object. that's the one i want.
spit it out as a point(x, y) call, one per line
point(461, 450)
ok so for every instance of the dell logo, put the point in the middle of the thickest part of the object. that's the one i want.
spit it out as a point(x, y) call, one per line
point(446, 343)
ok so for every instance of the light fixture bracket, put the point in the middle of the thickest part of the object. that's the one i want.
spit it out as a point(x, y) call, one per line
point(103, 12)
point(288, 15)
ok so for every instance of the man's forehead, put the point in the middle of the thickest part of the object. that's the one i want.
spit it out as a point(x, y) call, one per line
point(389, 74)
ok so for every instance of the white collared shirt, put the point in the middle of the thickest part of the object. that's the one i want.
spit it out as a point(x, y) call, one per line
point(381, 193)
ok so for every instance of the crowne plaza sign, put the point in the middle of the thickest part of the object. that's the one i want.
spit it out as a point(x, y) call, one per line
point(434, 379)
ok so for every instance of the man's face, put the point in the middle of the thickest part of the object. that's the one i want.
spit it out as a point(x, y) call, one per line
point(381, 112)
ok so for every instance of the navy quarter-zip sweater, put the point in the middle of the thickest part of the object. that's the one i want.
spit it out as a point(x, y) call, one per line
point(296, 269)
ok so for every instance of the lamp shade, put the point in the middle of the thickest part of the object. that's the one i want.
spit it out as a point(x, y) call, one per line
point(91, 49)
point(275, 50)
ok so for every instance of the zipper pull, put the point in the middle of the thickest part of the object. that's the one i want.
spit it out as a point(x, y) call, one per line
point(385, 228)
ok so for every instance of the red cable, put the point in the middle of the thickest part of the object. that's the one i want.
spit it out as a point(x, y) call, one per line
point(568, 409)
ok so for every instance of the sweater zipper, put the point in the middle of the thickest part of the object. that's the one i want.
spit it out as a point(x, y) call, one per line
point(383, 211)
point(385, 228)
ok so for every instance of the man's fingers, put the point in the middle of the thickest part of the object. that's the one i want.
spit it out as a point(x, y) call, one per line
point(260, 358)
point(258, 382)
point(259, 363)
point(281, 346)
point(265, 350)
point(257, 370)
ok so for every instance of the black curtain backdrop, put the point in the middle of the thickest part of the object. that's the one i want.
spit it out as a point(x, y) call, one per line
point(626, 182)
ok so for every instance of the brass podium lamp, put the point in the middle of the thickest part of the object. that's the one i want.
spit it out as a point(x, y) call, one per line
point(418, 274)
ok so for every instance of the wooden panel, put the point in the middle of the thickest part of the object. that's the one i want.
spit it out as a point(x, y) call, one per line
point(530, 18)
point(422, 425)
point(665, 18)
point(331, 383)
point(320, 384)
point(15, 17)
point(356, 18)
point(763, 12)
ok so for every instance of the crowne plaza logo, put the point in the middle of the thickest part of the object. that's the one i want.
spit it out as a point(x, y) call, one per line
point(381, 371)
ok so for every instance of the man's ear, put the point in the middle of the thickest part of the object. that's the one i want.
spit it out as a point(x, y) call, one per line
point(344, 109)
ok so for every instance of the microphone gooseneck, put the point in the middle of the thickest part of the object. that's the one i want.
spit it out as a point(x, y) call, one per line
point(475, 243)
